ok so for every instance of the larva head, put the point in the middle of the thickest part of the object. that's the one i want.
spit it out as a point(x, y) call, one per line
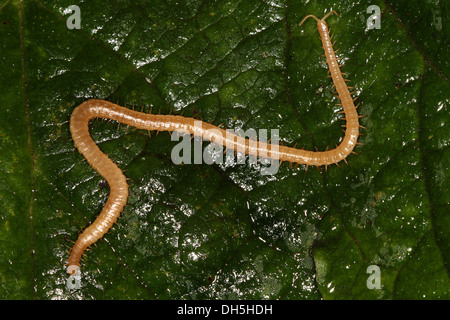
point(310, 16)
point(73, 270)
point(319, 21)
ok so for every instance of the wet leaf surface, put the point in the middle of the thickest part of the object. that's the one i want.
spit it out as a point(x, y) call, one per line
point(226, 231)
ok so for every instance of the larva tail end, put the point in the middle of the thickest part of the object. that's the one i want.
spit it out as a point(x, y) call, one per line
point(73, 269)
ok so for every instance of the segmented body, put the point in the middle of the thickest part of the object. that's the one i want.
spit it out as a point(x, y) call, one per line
point(79, 127)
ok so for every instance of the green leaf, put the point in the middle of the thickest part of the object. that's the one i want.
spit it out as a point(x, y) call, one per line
point(226, 231)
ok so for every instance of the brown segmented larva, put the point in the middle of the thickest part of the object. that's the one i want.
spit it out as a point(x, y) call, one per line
point(79, 127)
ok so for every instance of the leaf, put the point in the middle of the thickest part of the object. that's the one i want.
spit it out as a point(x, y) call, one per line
point(199, 231)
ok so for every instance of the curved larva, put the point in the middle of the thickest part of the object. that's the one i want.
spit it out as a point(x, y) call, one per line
point(79, 127)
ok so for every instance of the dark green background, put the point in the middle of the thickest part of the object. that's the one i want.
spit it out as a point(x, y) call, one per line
point(226, 231)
